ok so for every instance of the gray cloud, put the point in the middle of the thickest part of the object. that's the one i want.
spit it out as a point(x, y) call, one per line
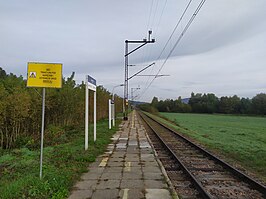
point(223, 51)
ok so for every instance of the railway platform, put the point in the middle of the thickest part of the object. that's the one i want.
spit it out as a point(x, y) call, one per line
point(129, 168)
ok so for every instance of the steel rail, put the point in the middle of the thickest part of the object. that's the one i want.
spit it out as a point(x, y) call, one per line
point(252, 183)
point(196, 183)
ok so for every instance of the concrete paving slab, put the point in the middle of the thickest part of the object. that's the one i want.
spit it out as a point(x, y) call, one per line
point(128, 169)
point(157, 194)
point(115, 137)
point(112, 159)
point(132, 184)
point(150, 164)
point(123, 138)
point(153, 176)
point(144, 156)
point(106, 194)
point(86, 184)
point(132, 176)
point(104, 161)
point(91, 176)
point(115, 164)
point(131, 193)
point(111, 176)
point(95, 169)
point(133, 151)
point(118, 154)
point(136, 169)
point(121, 149)
point(113, 169)
point(108, 152)
point(155, 184)
point(81, 194)
point(128, 155)
point(108, 184)
point(149, 169)
point(136, 164)
point(121, 146)
point(94, 164)
point(135, 159)
point(147, 160)
point(146, 151)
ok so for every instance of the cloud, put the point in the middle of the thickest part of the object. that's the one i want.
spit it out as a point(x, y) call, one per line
point(222, 52)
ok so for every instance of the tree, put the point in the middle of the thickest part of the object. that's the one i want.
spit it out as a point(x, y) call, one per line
point(2, 73)
point(259, 104)
point(20, 107)
point(230, 105)
point(246, 106)
point(155, 102)
point(194, 102)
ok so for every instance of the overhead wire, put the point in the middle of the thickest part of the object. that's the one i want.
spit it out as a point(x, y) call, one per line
point(169, 39)
point(142, 60)
point(154, 15)
point(148, 24)
point(160, 18)
point(176, 26)
point(149, 48)
point(155, 33)
point(152, 19)
point(177, 42)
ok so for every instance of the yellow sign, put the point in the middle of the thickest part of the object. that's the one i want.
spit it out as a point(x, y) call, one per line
point(45, 75)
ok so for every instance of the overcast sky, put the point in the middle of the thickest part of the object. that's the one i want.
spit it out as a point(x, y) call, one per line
point(223, 51)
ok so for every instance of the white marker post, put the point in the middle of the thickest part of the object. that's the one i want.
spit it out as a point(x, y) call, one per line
point(86, 114)
point(94, 129)
point(90, 85)
point(113, 111)
point(110, 114)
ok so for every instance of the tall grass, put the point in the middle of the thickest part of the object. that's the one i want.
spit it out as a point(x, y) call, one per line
point(63, 163)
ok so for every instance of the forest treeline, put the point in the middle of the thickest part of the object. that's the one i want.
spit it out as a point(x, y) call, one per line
point(20, 108)
point(209, 103)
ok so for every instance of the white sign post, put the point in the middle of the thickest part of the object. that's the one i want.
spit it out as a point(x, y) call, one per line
point(86, 114)
point(90, 85)
point(113, 111)
point(110, 114)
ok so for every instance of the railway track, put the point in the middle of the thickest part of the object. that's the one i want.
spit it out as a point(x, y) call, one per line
point(194, 172)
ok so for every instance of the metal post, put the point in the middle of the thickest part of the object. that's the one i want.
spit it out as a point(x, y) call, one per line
point(113, 98)
point(42, 132)
point(86, 115)
point(110, 113)
point(94, 132)
point(113, 109)
point(126, 82)
point(143, 43)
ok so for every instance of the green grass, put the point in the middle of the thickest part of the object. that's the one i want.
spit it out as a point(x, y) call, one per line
point(240, 139)
point(63, 164)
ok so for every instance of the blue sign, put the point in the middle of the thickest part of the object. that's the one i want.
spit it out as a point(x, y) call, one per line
point(91, 83)
point(92, 80)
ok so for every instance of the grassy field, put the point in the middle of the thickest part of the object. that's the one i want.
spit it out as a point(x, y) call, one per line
point(63, 163)
point(238, 138)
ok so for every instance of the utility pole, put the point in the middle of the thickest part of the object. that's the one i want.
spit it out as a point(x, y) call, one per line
point(142, 43)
